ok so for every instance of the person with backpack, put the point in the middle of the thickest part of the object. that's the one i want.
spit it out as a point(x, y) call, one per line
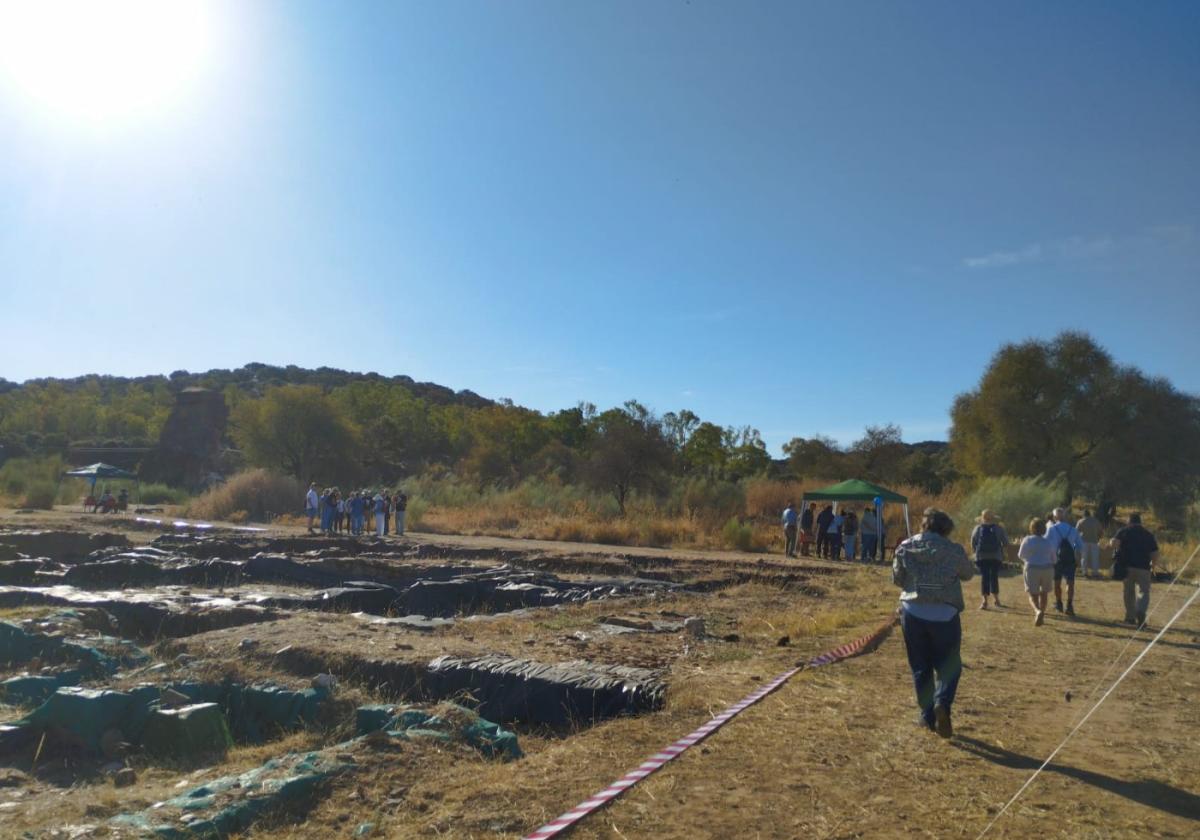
point(1068, 548)
point(988, 541)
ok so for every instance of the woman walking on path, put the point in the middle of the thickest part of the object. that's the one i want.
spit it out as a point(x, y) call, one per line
point(929, 568)
point(1037, 552)
point(988, 541)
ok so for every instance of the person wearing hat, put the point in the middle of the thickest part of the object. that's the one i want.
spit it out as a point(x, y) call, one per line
point(988, 542)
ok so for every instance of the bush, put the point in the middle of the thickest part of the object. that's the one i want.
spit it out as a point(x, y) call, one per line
point(712, 502)
point(19, 475)
point(766, 498)
point(162, 494)
point(1014, 500)
point(414, 514)
point(39, 494)
point(259, 495)
point(739, 536)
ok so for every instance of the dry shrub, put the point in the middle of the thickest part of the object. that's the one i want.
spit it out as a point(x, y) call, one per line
point(663, 533)
point(259, 495)
point(767, 497)
point(614, 533)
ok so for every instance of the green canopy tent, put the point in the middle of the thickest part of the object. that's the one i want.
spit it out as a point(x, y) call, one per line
point(92, 472)
point(857, 490)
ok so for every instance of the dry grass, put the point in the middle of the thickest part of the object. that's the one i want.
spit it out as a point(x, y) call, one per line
point(254, 495)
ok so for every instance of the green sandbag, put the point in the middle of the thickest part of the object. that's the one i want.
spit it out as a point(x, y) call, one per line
point(232, 803)
point(199, 729)
point(85, 714)
point(33, 690)
point(485, 736)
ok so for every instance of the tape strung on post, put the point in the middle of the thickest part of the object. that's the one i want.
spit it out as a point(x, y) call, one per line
point(655, 762)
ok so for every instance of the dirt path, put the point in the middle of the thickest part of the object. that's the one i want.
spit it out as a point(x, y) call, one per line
point(836, 753)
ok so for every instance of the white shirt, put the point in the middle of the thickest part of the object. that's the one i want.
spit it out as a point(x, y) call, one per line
point(1037, 551)
point(311, 499)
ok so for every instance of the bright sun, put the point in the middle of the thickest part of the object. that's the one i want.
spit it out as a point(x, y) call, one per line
point(102, 62)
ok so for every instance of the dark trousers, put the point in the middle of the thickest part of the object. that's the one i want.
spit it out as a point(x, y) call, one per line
point(822, 542)
point(989, 577)
point(789, 540)
point(834, 543)
point(805, 542)
point(933, 649)
point(870, 547)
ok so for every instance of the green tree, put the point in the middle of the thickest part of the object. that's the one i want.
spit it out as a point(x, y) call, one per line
point(299, 430)
point(1065, 408)
point(816, 457)
point(627, 452)
point(879, 454)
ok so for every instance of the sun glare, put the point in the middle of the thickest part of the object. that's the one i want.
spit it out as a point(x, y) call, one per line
point(102, 62)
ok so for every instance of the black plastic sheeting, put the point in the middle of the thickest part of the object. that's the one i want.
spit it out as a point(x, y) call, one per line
point(499, 687)
point(142, 619)
point(505, 589)
point(506, 689)
point(64, 546)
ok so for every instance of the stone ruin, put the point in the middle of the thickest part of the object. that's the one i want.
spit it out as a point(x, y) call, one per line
point(191, 446)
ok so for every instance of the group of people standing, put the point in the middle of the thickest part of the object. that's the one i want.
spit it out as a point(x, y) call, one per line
point(348, 513)
point(833, 532)
point(929, 569)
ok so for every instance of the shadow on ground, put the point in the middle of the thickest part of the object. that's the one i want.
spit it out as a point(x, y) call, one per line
point(1148, 792)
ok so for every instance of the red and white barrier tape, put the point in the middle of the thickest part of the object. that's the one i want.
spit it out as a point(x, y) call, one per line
point(862, 645)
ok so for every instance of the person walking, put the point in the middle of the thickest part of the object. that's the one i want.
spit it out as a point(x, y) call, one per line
point(311, 503)
point(789, 530)
point(401, 505)
point(1136, 550)
point(1068, 546)
point(988, 542)
point(1037, 553)
point(823, 520)
point(1090, 531)
point(930, 569)
point(850, 535)
point(868, 528)
point(807, 519)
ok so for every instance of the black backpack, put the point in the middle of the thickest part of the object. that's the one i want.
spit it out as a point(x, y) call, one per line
point(1066, 554)
point(989, 542)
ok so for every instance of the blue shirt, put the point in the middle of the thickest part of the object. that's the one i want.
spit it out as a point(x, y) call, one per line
point(789, 516)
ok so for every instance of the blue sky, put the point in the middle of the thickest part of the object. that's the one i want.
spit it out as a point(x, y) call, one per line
point(807, 217)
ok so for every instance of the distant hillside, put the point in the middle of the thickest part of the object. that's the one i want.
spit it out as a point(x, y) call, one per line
point(253, 378)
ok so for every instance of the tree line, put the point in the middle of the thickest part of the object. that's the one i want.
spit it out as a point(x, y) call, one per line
point(1061, 408)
